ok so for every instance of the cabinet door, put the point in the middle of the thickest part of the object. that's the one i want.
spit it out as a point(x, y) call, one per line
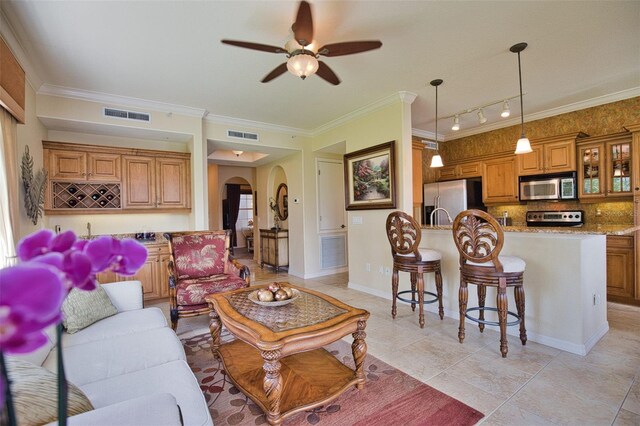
point(103, 167)
point(139, 182)
point(107, 277)
point(447, 173)
point(172, 183)
point(560, 156)
point(531, 163)
point(619, 169)
point(67, 165)
point(591, 171)
point(620, 268)
point(499, 183)
point(148, 276)
point(469, 170)
point(163, 273)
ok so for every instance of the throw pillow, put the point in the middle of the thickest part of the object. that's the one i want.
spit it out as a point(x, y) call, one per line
point(35, 394)
point(82, 308)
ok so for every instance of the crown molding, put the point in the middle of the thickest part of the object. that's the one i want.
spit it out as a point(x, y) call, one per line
point(576, 106)
point(9, 35)
point(406, 97)
point(258, 125)
point(424, 134)
point(130, 102)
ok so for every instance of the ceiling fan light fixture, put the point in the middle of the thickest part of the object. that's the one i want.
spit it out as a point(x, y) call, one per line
point(302, 65)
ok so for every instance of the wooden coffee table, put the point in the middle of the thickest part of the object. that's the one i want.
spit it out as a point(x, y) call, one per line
point(278, 360)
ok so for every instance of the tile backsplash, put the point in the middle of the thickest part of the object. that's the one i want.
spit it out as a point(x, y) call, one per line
point(615, 213)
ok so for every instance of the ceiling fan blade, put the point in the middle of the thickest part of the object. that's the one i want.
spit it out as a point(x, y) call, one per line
point(327, 74)
point(349, 47)
point(255, 46)
point(303, 27)
point(277, 72)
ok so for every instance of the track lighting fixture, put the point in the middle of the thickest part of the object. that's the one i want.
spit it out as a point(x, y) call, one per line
point(456, 123)
point(506, 111)
point(481, 118)
point(436, 160)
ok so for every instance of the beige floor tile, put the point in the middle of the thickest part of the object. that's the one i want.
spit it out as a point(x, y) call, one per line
point(510, 414)
point(632, 401)
point(466, 393)
point(627, 418)
point(562, 406)
point(491, 374)
point(530, 358)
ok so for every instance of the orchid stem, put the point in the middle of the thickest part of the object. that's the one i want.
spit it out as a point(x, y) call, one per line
point(62, 381)
point(8, 402)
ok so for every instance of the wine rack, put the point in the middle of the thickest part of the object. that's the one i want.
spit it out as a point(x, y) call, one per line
point(67, 195)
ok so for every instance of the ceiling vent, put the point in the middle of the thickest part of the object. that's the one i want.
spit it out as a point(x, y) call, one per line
point(127, 115)
point(430, 145)
point(242, 135)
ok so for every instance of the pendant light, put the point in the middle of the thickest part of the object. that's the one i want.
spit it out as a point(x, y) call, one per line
point(523, 146)
point(436, 160)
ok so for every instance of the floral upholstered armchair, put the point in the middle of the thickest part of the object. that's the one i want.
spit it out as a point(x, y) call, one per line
point(200, 264)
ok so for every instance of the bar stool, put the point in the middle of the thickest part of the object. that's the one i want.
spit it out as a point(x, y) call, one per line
point(404, 236)
point(479, 239)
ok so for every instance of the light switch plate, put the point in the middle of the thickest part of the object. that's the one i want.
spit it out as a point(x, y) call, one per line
point(356, 220)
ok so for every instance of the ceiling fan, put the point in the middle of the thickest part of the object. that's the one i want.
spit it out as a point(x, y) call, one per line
point(302, 59)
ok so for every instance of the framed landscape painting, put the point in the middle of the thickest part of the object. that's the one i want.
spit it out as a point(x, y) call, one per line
point(370, 181)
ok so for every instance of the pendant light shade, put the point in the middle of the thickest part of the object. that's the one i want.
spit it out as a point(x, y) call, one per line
point(523, 146)
point(436, 160)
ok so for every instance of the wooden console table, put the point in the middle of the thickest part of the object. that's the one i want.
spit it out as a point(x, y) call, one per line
point(274, 248)
point(279, 351)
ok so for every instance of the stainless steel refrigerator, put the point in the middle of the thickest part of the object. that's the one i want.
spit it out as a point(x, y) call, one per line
point(454, 196)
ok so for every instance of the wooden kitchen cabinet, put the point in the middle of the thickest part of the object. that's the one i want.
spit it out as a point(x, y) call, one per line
point(153, 275)
point(274, 248)
point(159, 182)
point(499, 181)
point(621, 270)
point(460, 171)
point(554, 154)
point(605, 166)
point(82, 166)
point(98, 179)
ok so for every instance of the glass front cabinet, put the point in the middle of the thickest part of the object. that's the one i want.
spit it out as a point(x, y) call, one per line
point(604, 166)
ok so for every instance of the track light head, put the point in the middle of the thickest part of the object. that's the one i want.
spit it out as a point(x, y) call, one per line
point(456, 123)
point(481, 118)
point(506, 111)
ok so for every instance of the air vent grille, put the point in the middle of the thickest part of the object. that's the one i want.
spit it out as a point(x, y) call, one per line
point(430, 145)
point(127, 115)
point(333, 251)
point(242, 135)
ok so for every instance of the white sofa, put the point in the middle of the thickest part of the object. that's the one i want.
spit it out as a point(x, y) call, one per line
point(131, 366)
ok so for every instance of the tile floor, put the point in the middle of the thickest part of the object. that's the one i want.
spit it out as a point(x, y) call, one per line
point(535, 385)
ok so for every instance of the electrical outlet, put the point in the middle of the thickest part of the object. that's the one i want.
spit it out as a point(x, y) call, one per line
point(596, 299)
point(367, 267)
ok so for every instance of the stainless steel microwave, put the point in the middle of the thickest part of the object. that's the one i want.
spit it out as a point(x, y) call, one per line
point(548, 187)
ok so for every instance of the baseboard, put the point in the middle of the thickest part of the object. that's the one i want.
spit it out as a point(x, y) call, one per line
point(326, 272)
point(573, 348)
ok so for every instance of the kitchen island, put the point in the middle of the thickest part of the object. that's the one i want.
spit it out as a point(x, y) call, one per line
point(564, 281)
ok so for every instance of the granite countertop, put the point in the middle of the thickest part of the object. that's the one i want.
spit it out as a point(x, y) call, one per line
point(158, 238)
point(586, 229)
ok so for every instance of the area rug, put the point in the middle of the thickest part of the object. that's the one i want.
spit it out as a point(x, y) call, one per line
point(390, 397)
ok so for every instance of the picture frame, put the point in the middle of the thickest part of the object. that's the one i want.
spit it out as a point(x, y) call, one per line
point(370, 178)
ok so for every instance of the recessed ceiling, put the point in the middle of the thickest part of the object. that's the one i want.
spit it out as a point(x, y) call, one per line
point(170, 51)
point(221, 152)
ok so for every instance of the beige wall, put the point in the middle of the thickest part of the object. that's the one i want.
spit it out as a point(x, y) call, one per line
point(367, 242)
point(29, 134)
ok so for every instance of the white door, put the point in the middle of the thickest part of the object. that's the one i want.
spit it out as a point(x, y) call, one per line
point(331, 210)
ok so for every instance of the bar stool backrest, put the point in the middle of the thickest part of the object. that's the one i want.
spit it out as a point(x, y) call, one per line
point(479, 238)
point(404, 235)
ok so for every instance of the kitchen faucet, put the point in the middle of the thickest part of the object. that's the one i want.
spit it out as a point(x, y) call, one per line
point(444, 210)
point(88, 230)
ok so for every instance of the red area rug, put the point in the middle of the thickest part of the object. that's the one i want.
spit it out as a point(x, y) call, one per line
point(390, 397)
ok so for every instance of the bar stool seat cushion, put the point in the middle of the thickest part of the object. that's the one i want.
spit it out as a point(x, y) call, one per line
point(428, 255)
point(509, 264)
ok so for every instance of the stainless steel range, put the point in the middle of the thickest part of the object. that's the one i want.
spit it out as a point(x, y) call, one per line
point(555, 218)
